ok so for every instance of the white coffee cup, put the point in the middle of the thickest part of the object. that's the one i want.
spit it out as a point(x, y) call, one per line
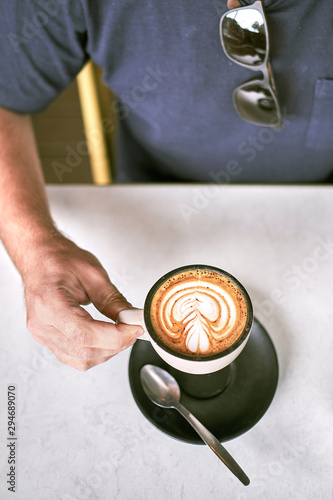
point(188, 363)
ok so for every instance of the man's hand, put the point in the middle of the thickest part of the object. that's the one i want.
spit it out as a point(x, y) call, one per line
point(61, 277)
point(58, 276)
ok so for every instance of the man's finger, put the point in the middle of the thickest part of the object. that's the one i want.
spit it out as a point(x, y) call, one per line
point(81, 365)
point(232, 4)
point(66, 315)
point(104, 295)
point(54, 340)
point(92, 333)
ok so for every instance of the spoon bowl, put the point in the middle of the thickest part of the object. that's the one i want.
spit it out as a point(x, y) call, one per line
point(160, 386)
point(163, 390)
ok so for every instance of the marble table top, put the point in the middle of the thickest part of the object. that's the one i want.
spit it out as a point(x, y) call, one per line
point(82, 436)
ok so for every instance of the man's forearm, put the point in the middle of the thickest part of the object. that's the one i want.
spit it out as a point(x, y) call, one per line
point(25, 220)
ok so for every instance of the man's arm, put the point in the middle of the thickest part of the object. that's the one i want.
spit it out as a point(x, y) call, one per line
point(58, 276)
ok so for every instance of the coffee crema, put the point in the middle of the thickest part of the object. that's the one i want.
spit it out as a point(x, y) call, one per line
point(198, 312)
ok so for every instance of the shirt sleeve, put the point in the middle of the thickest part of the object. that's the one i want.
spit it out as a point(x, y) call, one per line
point(42, 49)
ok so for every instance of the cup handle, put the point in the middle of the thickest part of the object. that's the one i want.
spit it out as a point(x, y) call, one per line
point(133, 317)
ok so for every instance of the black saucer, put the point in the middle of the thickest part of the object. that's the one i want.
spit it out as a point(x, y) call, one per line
point(254, 377)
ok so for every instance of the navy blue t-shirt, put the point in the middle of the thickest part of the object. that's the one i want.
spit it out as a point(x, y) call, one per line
point(173, 82)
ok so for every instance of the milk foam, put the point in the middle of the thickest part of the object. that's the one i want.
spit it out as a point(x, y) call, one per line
point(202, 311)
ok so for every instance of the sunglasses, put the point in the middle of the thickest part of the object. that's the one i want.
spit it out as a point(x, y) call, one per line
point(244, 38)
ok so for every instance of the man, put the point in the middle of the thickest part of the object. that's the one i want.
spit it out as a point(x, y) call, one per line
point(165, 63)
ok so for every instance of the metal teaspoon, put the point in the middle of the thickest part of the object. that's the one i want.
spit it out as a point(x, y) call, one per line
point(163, 390)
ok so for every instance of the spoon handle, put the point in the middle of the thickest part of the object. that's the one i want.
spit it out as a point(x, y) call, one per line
point(214, 444)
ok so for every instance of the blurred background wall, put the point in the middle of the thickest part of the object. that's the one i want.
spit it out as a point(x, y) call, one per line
point(76, 131)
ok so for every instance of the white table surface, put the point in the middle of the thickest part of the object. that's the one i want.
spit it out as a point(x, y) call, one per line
point(81, 435)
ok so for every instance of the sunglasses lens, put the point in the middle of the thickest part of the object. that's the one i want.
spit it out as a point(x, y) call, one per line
point(257, 103)
point(244, 36)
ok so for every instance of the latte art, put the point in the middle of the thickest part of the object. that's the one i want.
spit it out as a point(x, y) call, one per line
point(198, 312)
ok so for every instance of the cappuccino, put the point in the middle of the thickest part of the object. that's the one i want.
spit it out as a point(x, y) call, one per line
point(198, 312)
